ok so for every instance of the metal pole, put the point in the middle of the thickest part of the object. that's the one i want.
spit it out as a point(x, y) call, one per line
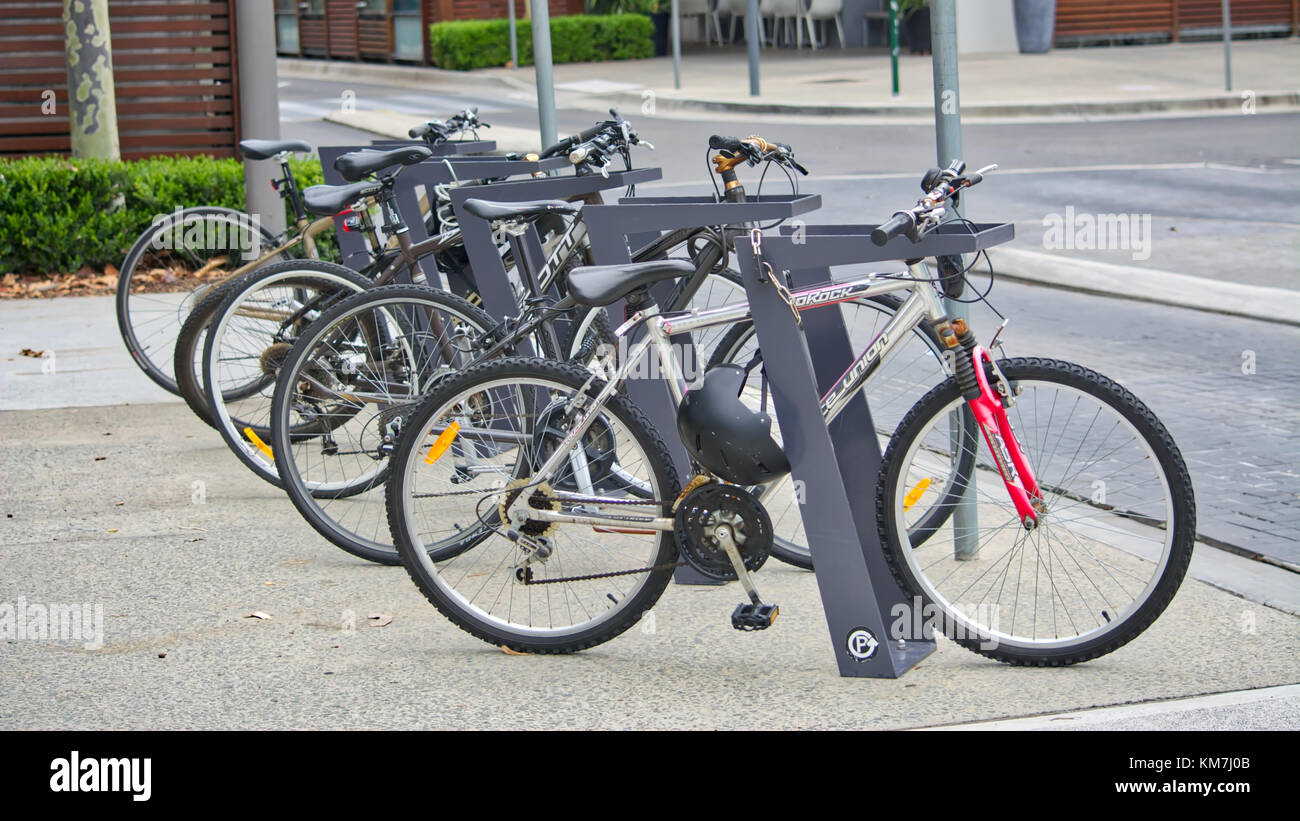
point(1227, 45)
point(676, 28)
point(259, 106)
point(542, 67)
point(893, 45)
point(753, 31)
point(947, 126)
point(514, 37)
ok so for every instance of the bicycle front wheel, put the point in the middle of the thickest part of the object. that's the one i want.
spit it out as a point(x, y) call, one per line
point(1108, 553)
point(477, 442)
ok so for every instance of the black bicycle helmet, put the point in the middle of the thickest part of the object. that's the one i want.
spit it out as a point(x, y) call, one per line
point(727, 437)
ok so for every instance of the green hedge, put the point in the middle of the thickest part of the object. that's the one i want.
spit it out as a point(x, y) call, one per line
point(58, 214)
point(465, 44)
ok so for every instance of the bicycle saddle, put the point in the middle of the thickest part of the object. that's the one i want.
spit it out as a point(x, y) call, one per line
point(324, 200)
point(265, 149)
point(602, 284)
point(359, 164)
point(498, 211)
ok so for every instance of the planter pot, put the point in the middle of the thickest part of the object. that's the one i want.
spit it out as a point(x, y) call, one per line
point(1035, 25)
point(660, 36)
point(917, 26)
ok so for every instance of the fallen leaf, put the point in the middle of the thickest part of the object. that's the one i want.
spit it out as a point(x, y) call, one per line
point(380, 619)
point(32, 353)
point(510, 652)
point(268, 584)
point(100, 458)
point(258, 614)
point(162, 655)
point(112, 530)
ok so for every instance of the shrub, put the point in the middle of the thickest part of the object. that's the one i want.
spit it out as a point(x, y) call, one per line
point(58, 214)
point(466, 44)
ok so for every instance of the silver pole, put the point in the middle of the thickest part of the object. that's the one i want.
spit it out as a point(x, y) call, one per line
point(753, 31)
point(259, 106)
point(544, 72)
point(947, 126)
point(514, 36)
point(1227, 45)
point(676, 29)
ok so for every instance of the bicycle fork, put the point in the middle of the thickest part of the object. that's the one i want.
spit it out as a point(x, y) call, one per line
point(989, 407)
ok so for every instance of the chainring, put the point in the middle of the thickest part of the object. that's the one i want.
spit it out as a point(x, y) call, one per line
point(706, 509)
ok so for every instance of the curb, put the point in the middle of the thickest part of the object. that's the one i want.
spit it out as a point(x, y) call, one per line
point(427, 78)
point(1224, 103)
point(1147, 285)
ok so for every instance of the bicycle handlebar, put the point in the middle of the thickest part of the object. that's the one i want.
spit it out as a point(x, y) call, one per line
point(902, 221)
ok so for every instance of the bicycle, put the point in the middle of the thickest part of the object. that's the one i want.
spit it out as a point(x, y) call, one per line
point(327, 476)
point(534, 507)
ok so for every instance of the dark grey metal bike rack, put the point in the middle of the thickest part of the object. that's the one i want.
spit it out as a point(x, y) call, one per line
point(434, 171)
point(490, 276)
point(612, 227)
point(444, 149)
point(861, 599)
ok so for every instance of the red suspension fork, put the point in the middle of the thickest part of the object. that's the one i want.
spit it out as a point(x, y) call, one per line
point(1014, 468)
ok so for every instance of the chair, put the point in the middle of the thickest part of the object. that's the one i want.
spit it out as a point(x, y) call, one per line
point(782, 12)
point(823, 10)
point(700, 9)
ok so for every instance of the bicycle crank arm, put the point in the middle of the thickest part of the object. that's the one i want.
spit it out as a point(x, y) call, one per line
point(755, 615)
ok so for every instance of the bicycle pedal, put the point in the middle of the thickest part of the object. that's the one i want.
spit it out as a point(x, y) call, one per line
point(754, 616)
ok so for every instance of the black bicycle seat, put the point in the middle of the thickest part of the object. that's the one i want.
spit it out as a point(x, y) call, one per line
point(602, 284)
point(265, 149)
point(360, 164)
point(499, 211)
point(323, 200)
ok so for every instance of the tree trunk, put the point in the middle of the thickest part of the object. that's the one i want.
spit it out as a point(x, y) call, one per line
point(92, 103)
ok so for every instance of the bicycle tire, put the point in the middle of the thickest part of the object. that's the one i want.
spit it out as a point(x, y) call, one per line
point(1120, 527)
point(627, 608)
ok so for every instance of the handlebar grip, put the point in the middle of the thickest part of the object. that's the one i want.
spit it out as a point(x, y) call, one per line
point(896, 226)
point(419, 131)
point(719, 143)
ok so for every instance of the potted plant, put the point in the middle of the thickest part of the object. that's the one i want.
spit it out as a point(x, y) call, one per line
point(916, 21)
point(1035, 25)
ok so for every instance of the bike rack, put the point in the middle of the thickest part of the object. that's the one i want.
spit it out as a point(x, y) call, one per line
point(611, 227)
point(859, 594)
point(444, 148)
point(434, 171)
point(489, 271)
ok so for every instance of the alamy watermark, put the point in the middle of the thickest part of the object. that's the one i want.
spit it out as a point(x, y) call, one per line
point(179, 231)
point(1075, 231)
point(35, 621)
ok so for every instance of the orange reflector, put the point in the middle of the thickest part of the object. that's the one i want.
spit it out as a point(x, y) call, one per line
point(914, 495)
point(258, 443)
point(441, 444)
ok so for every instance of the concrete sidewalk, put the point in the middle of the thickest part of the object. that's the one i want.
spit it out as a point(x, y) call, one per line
point(1063, 84)
point(142, 511)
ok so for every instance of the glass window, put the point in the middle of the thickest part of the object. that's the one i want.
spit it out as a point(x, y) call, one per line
point(408, 38)
point(406, 6)
point(286, 29)
point(372, 7)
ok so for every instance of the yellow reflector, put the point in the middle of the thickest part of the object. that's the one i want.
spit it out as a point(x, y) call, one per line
point(441, 444)
point(258, 443)
point(914, 495)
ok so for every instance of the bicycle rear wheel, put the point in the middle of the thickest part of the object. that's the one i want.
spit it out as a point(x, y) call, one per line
point(480, 437)
point(345, 391)
point(250, 335)
point(170, 268)
point(1108, 553)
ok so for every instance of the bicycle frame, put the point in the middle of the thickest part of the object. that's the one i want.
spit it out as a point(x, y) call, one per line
point(922, 304)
